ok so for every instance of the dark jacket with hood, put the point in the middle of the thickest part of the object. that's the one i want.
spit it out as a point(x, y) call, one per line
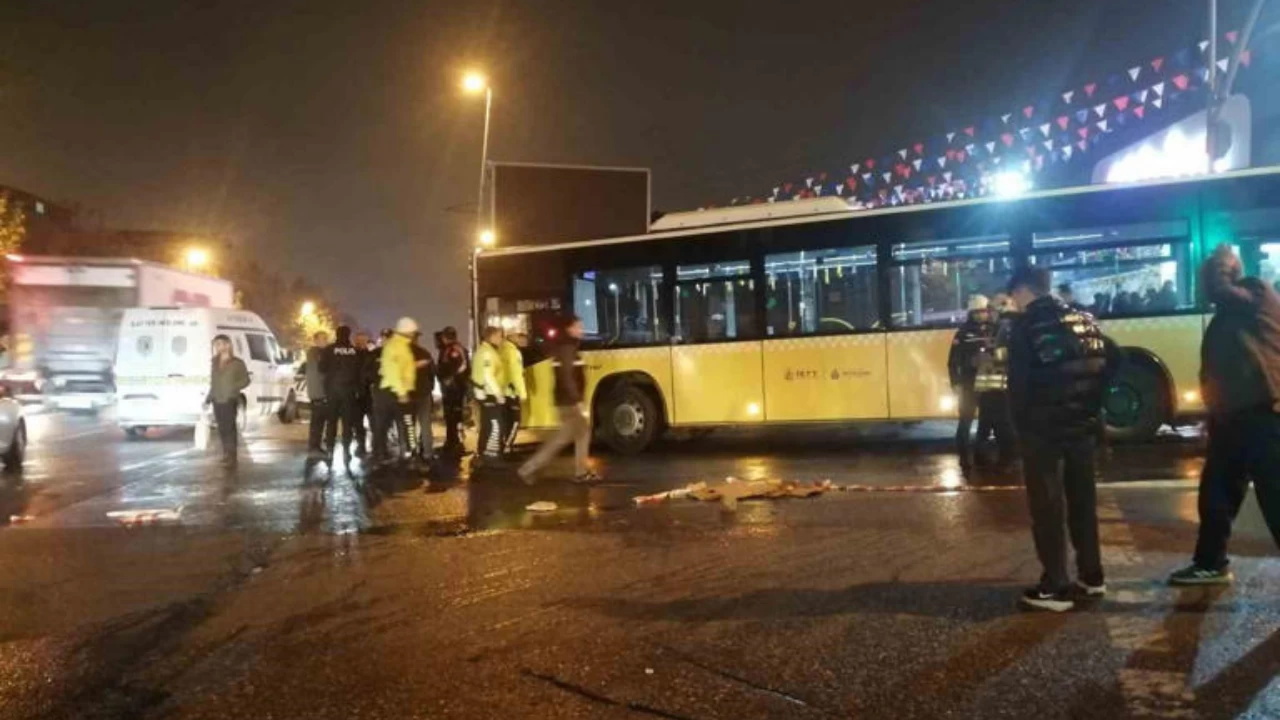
point(1058, 370)
point(571, 378)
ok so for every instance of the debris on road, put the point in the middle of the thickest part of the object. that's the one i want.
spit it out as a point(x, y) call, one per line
point(543, 506)
point(150, 516)
point(732, 490)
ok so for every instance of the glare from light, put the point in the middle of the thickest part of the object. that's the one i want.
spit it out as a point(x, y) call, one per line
point(613, 288)
point(1191, 396)
point(14, 258)
point(947, 403)
point(474, 82)
point(197, 258)
point(753, 409)
point(1011, 184)
point(1181, 155)
point(308, 309)
point(487, 238)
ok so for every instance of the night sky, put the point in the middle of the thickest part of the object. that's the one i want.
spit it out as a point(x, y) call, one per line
point(331, 139)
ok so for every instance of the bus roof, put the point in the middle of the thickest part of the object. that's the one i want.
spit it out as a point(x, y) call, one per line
point(829, 216)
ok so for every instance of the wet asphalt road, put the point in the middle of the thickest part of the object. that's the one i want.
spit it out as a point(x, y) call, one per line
point(282, 592)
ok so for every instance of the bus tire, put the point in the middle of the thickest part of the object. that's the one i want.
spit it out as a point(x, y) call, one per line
point(136, 432)
point(629, 419)
point(1136, 403)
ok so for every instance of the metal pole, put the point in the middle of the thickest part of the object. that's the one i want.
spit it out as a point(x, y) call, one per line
point(1241, 47)
point(1211, 110)
point(473, 333)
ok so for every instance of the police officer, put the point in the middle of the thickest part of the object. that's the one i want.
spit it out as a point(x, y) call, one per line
point(363, 396)
point(1240, 382)
point(512, 351)
point(398, 379)
point(973, 343)
point(487, 382)
point(321, 412)
point(453, 372)
point(378, 400)
point(1057, 370)
point(343, 369)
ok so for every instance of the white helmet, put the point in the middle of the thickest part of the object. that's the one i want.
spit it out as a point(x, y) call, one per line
point(406, 326)
point(978, 302)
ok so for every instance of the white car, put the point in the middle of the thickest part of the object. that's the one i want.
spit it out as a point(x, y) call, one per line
point(13, 432)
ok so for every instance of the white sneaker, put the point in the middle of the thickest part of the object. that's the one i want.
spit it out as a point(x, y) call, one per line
point(1091, 590)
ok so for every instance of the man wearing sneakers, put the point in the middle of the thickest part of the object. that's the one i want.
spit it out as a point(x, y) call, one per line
point(1057, 367)
point(575, 426)
point(1240, 383)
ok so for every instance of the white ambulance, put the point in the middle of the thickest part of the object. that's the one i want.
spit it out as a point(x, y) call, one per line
point(163, 361)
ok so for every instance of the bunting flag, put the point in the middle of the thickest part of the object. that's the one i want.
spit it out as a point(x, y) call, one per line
point(1204, 45)
point(968, 155)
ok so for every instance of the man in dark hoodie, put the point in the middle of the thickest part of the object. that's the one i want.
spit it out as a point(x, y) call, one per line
point(973, 342)
point(1240, 383)
point(575, 424)
point(343, 367)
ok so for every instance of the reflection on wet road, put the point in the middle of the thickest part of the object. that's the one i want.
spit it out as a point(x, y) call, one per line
point(286, 590)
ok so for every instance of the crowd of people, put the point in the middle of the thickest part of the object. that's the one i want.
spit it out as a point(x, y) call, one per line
point(1035, 370)
point(382, 396)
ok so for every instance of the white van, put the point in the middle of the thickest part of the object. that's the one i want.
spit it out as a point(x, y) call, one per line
point(163, 361)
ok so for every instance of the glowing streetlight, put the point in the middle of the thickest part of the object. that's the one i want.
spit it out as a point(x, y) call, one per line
point(308, 309)
point(474, 83)
point(196, 258)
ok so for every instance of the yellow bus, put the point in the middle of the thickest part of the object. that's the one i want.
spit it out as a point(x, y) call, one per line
point(811, 312)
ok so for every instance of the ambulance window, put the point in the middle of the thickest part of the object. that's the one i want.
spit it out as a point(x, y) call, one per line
point(258, 347)
point(179, 345)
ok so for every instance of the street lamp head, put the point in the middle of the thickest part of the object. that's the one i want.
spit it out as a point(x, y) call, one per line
point(308, 309)
point(197, 257)
point(487, 238)
point(474, 82)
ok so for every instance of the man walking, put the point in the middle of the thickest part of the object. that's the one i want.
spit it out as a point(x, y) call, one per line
point(575, 426)
point(343, 368)
point(512, 352)
point(487, 381)
point(1240, 382)
point(971, 347)
point(321, 412)
point(1057, 370)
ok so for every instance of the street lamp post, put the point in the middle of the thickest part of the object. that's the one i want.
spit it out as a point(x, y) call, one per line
point(475, 83)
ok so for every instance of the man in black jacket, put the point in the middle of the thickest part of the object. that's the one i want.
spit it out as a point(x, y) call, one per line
point(575, 425)
point(1057, 371)
point(343, 366)
point(1240, 383)
point(364, 408)
point(972, 344)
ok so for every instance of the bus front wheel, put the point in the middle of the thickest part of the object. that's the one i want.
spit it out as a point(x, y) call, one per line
point(628, 419)
point(1135, 403)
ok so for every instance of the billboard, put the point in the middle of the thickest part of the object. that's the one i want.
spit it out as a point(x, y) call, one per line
point(535, 204)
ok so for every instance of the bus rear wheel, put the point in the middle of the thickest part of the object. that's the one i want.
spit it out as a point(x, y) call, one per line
point(1135, 404)
point(628, 419)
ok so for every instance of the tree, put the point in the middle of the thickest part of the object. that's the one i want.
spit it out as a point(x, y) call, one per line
point(13, 224)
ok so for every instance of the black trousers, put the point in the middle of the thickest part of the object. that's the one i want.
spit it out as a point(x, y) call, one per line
point(453, 401)
point(224, 414)
point(510, 423)
point(968, 410)
point(321, 418)
point(492, 411)
point(1242, 447)
point(995, 419)
point(383, 405)
point(345, 410)
point(1063, 498)
point(364, 410)
point(424, 414)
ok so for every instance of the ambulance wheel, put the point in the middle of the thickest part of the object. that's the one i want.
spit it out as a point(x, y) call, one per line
point(628, 419)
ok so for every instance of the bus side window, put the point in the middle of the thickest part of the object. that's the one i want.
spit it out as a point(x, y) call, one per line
point(715, 302)
point(821, 291)
point(621, 307)
point(930, 281)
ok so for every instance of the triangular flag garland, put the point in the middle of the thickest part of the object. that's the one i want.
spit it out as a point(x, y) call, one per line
point(967, 155)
